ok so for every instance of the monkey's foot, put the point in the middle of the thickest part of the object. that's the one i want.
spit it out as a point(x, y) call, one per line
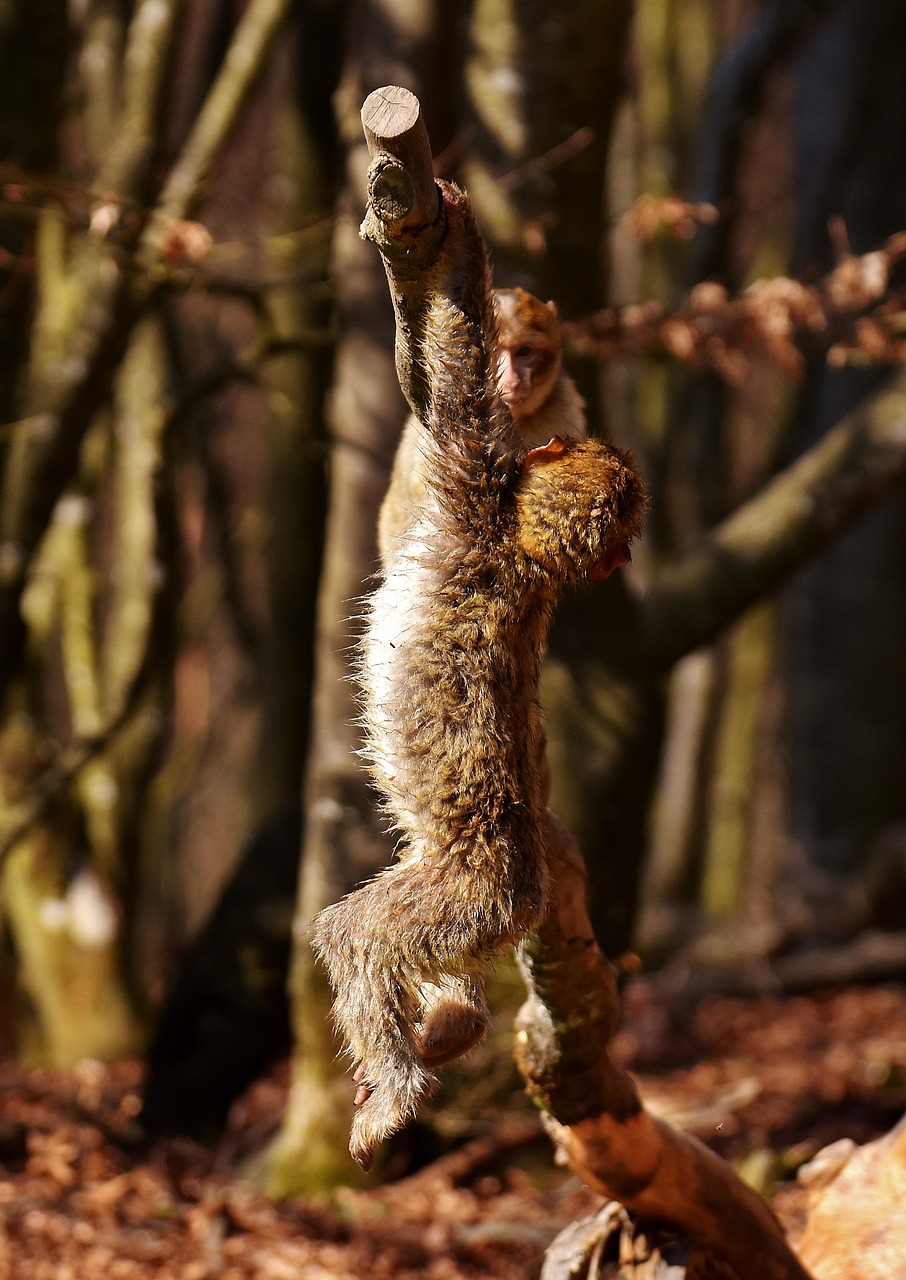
point(449, 1031)
point(454, 1017)
point(383, 1111)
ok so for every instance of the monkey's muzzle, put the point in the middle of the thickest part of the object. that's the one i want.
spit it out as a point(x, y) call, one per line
point(615, 559)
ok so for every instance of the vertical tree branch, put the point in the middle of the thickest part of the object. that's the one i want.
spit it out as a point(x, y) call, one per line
point(148, 45)
point(140, 420)
point(658, 1172)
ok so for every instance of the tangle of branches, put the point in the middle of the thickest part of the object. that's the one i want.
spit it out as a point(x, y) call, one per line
point(852, 313)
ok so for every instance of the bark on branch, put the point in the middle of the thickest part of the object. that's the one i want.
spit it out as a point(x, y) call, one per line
point(402, 193)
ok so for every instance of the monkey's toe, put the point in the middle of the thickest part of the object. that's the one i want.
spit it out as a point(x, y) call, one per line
point(365, 1087)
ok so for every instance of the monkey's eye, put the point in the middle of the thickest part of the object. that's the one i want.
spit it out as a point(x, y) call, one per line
point(522, 353)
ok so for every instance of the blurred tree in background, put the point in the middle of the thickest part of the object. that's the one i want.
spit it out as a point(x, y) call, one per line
point(200, 412)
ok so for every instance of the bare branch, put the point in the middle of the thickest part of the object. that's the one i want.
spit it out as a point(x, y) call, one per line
point(404, 218)
point(401, 188)
point(144, 69)
point(796, 515)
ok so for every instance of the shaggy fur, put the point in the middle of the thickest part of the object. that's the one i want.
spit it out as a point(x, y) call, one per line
point(449, 673)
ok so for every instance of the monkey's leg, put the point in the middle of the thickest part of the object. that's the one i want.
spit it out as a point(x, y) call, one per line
point(376, 1005)
point(380, 945)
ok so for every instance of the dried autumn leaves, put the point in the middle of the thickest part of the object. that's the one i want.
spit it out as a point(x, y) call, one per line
point(852, 313)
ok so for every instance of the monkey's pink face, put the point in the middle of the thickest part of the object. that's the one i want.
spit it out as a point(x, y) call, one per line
point(578, 508)
point(525, 375)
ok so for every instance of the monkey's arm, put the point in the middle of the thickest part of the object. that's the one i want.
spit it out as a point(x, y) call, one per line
point(437, 270)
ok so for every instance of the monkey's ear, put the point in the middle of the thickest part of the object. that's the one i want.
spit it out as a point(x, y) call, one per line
point(555, 448)
point(552, 308)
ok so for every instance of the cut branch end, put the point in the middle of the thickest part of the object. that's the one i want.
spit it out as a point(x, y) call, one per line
point(402, 194)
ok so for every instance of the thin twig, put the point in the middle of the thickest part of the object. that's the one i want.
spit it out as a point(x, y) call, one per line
point(216, 120)
point(551, 159)
point(797, 514)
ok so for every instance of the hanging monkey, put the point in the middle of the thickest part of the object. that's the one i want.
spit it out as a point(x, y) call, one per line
point(449, 668)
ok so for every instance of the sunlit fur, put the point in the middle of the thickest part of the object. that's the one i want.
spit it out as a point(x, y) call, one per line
point(449, 674)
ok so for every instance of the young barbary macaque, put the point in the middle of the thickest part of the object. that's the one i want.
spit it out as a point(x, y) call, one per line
point(449, 670)
point(539, 393)
point(543, 402)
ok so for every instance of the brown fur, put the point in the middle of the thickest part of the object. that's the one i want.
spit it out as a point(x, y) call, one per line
point(543, 402)
point(449, 672)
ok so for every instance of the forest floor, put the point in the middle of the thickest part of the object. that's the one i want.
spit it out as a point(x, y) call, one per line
point(766, 1081)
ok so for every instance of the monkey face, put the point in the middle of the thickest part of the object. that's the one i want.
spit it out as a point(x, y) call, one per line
point(528, 362)
point(525, 375)
point(577, 508)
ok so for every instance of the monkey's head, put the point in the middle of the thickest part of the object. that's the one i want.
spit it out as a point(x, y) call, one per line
point(529, 350)
point(578, 506)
